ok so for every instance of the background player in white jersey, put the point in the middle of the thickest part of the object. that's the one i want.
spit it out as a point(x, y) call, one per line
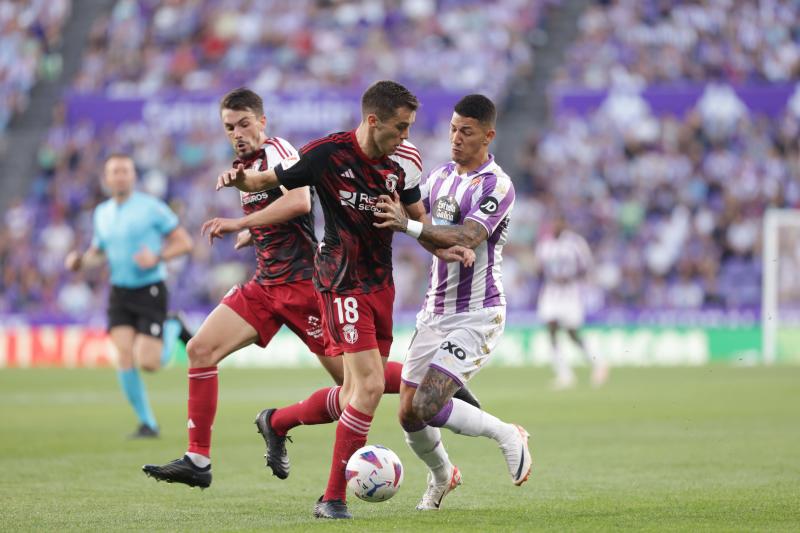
point(564, 259)
point(469, 200)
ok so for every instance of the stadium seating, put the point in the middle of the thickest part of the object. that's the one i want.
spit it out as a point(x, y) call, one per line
point(31, 34)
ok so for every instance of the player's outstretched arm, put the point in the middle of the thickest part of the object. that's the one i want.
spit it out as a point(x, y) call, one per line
point(91, 258)
point(394, 216)
point(292, 204)
point(248, 180)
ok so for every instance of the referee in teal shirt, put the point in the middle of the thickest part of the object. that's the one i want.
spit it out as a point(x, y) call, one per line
point(134, 233)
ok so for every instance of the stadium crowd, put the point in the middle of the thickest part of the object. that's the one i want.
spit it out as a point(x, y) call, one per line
point(645, 42)
point(29, 50)
point(146, 46)
point(671, 208)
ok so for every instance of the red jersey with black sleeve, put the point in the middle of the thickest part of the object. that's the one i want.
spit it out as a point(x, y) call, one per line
point(355, 257)
point(285, 251)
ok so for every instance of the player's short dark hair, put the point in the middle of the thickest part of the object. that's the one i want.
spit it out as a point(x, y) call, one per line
point(384, 98)
point(118, 155)
point(242, 99)
point(478, 107)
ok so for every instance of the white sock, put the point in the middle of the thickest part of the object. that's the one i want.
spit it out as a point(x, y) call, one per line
point(591, 357)
point(560, 366)
point(466, 419)
point(199, 460)
point(427, 444)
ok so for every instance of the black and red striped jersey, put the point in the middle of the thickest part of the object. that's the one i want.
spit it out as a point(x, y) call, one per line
point(355, 257)
point(285, 252)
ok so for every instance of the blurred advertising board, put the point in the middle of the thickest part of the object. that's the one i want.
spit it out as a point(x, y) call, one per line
point(77, 346)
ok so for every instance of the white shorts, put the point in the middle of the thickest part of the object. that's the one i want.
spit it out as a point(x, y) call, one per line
point(561, 303)
point(457, 344)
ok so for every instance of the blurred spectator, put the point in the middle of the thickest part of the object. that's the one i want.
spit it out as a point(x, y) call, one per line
point(29, 50)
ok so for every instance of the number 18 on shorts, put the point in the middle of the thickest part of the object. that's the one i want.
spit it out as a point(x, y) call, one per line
point(358, 322)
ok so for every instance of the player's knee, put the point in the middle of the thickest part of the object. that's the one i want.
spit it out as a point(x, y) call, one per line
point(371, 390)
point(200, 353)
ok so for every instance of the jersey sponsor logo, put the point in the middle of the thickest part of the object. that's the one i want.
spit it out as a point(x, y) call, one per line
point(248, 199)
point(348, 174)
point(350, 333)
point(358, 200)
point(454, 349)
point(489, 206)
point(446, 209)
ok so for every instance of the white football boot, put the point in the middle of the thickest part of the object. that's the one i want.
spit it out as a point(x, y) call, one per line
point(435, 493)
point(517, 455)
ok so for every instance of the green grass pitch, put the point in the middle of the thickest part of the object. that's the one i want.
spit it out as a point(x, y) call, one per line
point(711, 448)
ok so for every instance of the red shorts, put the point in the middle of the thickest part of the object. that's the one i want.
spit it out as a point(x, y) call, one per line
point(268, 307)
point(357, 322)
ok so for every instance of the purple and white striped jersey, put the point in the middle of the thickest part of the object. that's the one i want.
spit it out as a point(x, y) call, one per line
point(486, 196)
point(565, 258)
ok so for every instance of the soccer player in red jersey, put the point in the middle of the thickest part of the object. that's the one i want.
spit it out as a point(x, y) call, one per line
point(280, 292)
point(353, 267)
point(281, 227)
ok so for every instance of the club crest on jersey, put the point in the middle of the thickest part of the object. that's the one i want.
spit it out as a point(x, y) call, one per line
point(350, 333)
point(446, 209)
point(391, 182)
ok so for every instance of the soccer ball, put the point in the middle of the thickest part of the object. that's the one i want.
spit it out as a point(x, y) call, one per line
point(374, 473)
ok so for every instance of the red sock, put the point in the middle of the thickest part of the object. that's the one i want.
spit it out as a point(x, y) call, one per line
point(391, 376)
point(203, 385)
point(351, 434)
point(319, 408)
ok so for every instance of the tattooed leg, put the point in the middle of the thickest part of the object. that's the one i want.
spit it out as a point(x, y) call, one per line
point(433, 394)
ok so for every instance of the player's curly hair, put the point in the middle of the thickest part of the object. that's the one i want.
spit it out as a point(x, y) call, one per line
point(242, 99)
point(478, 107)
point(384, 98)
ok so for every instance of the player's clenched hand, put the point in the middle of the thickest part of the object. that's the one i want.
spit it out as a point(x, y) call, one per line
point(461, 254)
point(73, 261)
point(391, 212)
point(145, 258)
point(231, 177)
point(217, 227)
point(243, 238)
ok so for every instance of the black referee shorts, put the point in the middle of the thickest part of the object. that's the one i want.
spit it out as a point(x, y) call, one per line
point(144, 309)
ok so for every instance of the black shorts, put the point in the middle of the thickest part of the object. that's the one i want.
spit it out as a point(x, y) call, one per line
point(144, 309)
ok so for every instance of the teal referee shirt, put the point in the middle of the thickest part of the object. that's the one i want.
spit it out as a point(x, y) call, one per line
point(122, 230)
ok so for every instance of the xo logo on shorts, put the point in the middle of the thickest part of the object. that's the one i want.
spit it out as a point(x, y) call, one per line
point(350, 333)
point(454, 349)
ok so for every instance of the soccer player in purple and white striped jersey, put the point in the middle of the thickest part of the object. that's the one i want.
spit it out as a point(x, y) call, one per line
point(469, 201)
point(564, 260)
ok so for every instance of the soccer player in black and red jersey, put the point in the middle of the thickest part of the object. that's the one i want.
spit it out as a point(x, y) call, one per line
point(280, 292)
point(353, 267)
point(280, 225)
